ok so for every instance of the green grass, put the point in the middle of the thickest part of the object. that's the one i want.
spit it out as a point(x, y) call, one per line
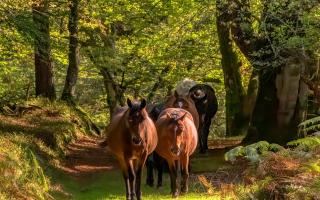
point(110, 185)
point(209, 162)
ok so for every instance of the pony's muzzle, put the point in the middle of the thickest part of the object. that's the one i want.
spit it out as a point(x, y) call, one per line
point(136, 140)
point(175, 150)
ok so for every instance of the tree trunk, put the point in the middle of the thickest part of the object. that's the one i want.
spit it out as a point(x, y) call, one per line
point(279, 106)
point(72, 73)
point(115, 95)
point(44, 80)
point(235, 96)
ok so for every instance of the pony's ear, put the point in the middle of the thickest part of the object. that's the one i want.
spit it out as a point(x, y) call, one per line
point(204, 97)
point(168, 115)
point(129, 103)
point(183, 116)
point(176, 94)
point(143, 104)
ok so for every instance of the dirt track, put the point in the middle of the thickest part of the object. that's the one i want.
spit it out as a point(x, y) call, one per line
point(85, 156)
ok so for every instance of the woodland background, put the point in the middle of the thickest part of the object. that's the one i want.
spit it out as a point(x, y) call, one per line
point(260, 56)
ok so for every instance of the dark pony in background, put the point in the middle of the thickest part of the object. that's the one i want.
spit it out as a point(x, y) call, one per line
point(207, 105)
point(131, 137)
point(185, 102)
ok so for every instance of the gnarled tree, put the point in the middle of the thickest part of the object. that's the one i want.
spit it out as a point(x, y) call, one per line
point(281, 100)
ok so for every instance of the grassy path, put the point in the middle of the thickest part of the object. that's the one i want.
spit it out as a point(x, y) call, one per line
point(92, 173)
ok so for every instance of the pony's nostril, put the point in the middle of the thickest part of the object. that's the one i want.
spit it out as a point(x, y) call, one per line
point(136, 140)
point(175, 150)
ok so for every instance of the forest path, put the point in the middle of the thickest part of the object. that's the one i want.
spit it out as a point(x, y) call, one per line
point(85, 156)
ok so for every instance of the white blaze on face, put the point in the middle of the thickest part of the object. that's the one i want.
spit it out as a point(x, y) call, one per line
point(180, 104)
point(175, 129)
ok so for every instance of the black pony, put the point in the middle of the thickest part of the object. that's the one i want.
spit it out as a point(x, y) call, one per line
point(155, 161)
point(207, 105)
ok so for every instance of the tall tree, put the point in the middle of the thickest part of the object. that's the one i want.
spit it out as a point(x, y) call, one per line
point(72, 73)
point(43, 66)
point(239, 103)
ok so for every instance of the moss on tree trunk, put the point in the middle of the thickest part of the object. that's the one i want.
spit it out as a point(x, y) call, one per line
point(236, 121)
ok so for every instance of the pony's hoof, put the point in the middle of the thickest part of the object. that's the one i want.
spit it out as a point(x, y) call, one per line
point(175, 194)
point(203, 151)
point(150, 183)
point(184, 191)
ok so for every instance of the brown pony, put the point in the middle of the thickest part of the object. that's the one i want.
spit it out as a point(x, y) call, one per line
point(131, 138)
point(184, 102)
point(177, 141)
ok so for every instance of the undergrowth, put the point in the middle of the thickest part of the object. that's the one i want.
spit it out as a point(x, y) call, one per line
point(54, 123)
point(33, 138)
point(22, 176)
point(275, 172)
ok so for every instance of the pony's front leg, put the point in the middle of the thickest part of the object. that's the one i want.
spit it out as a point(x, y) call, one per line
point(132, 178)
point(173, 167)
point(200, 139)
point(140, 165)
point(184, 174)
point(205, 132)
point(124, 169)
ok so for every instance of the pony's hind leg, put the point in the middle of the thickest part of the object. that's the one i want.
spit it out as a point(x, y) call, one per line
point(184, 174)
point(159, 162)
point(150, 165)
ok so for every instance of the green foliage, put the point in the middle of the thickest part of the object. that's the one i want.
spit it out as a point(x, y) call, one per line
point(313, 166)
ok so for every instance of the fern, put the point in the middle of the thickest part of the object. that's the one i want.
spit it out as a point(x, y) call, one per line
point(308, 125)
point(306, 144)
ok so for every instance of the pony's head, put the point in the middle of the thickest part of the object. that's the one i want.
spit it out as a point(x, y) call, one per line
point(176, 129)
point(136, 114)
point(181, 101)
